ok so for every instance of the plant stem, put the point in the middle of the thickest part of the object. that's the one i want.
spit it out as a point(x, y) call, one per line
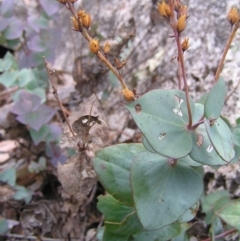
point(222, 234)
point(181, 61)
point(101, 56)
point(230, 39)
point(56, 94)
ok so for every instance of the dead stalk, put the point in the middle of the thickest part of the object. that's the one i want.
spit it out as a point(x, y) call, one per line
point(50, 73)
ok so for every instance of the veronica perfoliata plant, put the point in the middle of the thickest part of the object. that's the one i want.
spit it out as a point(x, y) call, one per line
point(154, 187)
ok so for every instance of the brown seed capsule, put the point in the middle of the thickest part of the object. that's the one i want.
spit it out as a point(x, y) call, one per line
point(75, 24)
point(94, 46)
point(164, 9)
point(81, 14)
point(128, 94)
point(106, 48)
point(181, 23)
point(233, 16)
point(86, 21)
point(185, 44)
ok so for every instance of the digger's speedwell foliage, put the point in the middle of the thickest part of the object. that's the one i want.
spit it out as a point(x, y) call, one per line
point(154, 187)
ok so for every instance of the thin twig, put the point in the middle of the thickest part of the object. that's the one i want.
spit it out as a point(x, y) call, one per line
point(56, 94)
point(230, 39)
point(101, 56)
point(222, 234)
point(18, 236)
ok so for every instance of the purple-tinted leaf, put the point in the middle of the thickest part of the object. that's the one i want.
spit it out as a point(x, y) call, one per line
point(26, 103)
point(39, 136)
point(49, 6)
point(4, 22)
point(50, 36)
point(58, 159)
point(36, 44)
point(54, 132)
point(52, 150)
point(7, 7)
point(36, 119)
point(14, 30)
point(37, 23)
point(55, 153)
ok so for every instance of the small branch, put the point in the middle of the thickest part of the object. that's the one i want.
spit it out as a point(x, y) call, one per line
point(101, 56)
point(230, 39)
point(221, 235)
point(181, 61)
point(56, 94)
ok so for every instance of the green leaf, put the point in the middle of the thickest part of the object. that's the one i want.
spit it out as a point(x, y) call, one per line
point(187, 160)
point(212, 202)
point(112, 165)
point(237, 154)
point(162, 117)
point(189, 214)
point(162, 192)
point(39, 136)
point(9, 176)
point(108, 236)
point(163, 234)
point(11, 61)
point(236, 136)
point(215, 100)
point(183, 235)
point(23, 194)
point(25, 76)
point(221, 138)
point(119, 218)
point(216, 227)
point(230, 213)
point(3, 226)
point(9, 78)
point(38, 166)
point(203, 151)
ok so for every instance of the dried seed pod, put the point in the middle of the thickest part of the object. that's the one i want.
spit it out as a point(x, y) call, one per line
point(75, 24)
point(94, 46)
point(181, 23)
point(185, 44)
point(128, 94)
point(86, 20)
point(164, 9)
point(233, 16)
point(106, 47)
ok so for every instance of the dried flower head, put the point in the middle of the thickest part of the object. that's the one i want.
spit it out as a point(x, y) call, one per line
point(233, 16)
point(94, 46)
point(81, 14)
point(164, 9)
point(182, 10)
point(75, 24)
point(185, 44)
point(181, 23)
point(106, 47)
point(128, 94)
point(86, 20)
